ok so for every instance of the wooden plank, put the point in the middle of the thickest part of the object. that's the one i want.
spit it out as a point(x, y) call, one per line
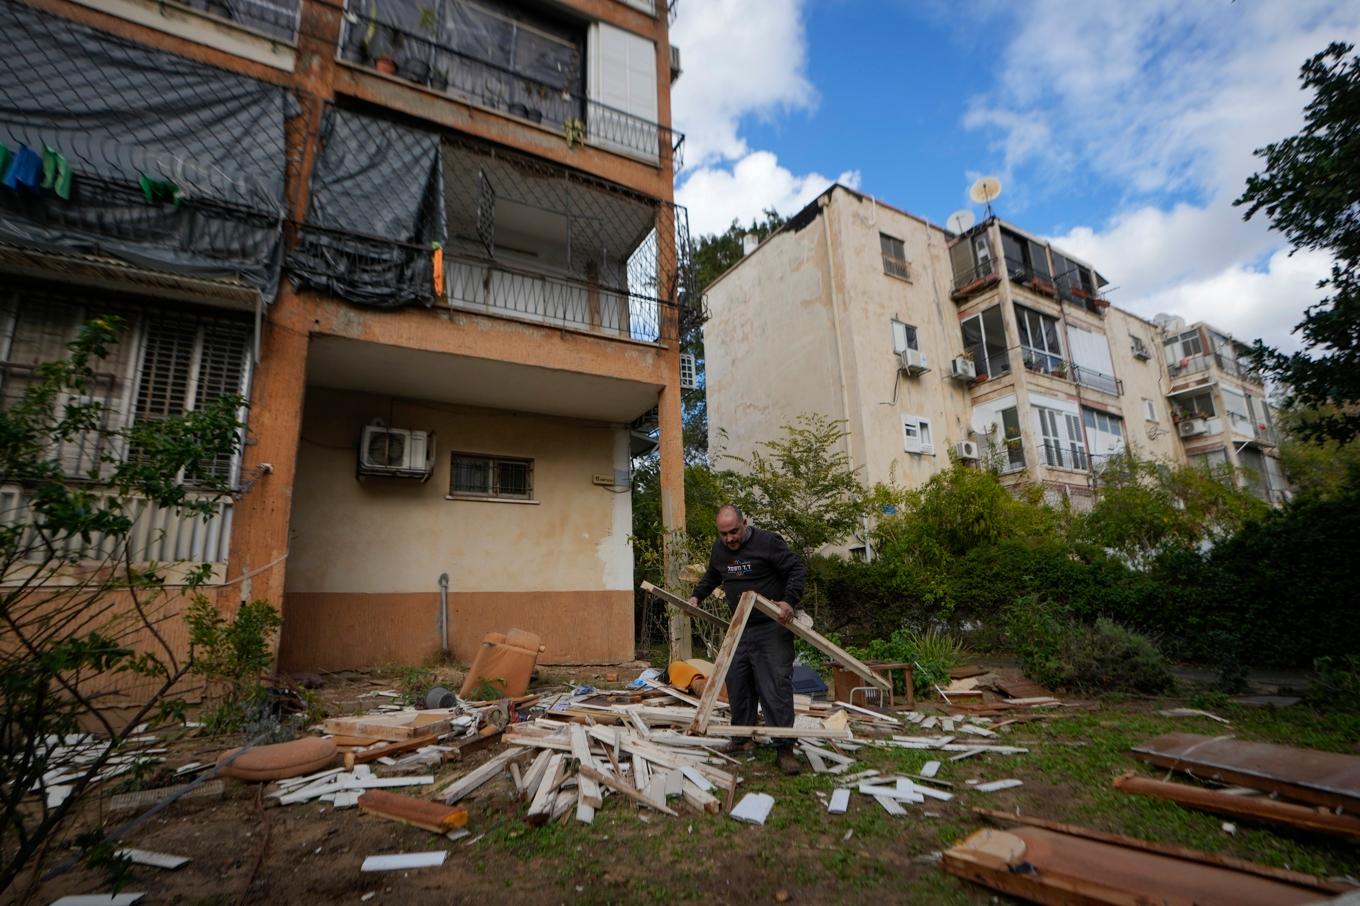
point(464, 785)
point(396, 748)
point(620, 786)
point(545, 794)
point(698, 799)
point(781, 732)
point(1308, 775)
point(1167, 849)
point(396, 727)
point(683, 605)
point(722, 663)
point(825, 646)
point(1255, 807)
point(533, 775)
point(421, 813)
point(580, 750)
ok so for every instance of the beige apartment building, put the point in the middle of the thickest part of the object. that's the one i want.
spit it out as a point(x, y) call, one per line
point(991, 347)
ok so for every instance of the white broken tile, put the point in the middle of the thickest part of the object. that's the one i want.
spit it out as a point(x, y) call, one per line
point(998, 785)
point(890, 805)
point(930, 769)
point(100, 899)
point(154, 859)
point(840, 802)
point(404, 861)
point(753, 808)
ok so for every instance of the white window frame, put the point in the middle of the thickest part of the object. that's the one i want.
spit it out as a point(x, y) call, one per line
point(1050, 358)
point(1149, 410)
point(905, 336)
point(917, 436)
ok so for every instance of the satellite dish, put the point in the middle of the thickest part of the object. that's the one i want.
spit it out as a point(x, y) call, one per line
point(984, 190)
point(981, 423)
point(960, 221)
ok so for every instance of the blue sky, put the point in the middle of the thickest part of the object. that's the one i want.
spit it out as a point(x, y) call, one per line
point(1121, 130)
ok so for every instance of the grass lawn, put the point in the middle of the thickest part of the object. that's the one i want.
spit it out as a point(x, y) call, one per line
point(311, 853)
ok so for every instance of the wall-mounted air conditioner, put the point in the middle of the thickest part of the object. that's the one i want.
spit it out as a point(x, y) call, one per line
point(962, 369)
point(396, 452)
point(689, 371)
point(1192, 427)
point(966, 450)
point(912, 361)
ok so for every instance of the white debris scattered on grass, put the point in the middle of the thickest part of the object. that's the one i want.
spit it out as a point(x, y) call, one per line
point(753, 808)
point(996, 785)
point(404, 861)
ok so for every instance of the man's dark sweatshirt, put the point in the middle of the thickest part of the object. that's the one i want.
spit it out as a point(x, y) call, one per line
point(763, 564)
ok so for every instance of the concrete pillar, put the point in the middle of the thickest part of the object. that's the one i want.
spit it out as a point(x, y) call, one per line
point(670, 420)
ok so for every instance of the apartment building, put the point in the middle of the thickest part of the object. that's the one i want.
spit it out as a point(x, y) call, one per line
point(433, 242)
point(990, 346)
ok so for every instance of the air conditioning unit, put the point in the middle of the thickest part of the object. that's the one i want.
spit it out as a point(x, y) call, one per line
point(1192, 427)
point(396, 452)
point(912, 361)
point(962, 369)
point(966, 450)
point(688, 371)
point(1141, 352)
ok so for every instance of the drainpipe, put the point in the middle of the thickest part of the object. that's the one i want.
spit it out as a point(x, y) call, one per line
point(444, 613)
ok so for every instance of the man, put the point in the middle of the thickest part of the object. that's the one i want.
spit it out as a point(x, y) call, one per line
point(746, 558)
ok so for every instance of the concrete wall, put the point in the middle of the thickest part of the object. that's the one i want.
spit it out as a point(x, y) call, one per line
point(365, 555)
point(770, 343)
point(1143, 379)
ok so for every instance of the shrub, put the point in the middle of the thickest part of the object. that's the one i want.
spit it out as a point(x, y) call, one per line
point(932, 650)
point(1102, 657)
point(232, 656)
point(1336, 685)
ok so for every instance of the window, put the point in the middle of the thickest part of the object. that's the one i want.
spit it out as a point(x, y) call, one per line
point(1210, 460)
point(1197, 405)
point(490, 476)
point(985, 337)
point(1039, 342)
point(1105, 432)
point(1239, 411)
point(1149, 410)
point(858, 554)
point(1140, 350)
point(1185, 353)
point(971, 259)
point(904, 336)
point(1064, 444)
point(916, 436)
point(1025, 258)
point(894, 256)
point(1015, 447)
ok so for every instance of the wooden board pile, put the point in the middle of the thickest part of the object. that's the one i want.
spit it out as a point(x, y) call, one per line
point(72, 755)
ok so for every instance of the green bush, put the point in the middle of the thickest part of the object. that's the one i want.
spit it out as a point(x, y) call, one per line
point(1062, 653)
point(934, 651)
point(1336, 686)
point(232, 655)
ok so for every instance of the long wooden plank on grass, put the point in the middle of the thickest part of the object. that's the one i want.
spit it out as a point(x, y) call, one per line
point(722, 663)
point(681, 604)
point(473, 779)
point(824, 645)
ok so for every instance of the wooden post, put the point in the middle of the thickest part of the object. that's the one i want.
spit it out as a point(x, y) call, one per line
point(721, 664)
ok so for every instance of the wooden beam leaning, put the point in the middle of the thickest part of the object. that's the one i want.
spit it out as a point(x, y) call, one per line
point(722, 662)
point(767, 607)
point(681, 604)
point(824, 645)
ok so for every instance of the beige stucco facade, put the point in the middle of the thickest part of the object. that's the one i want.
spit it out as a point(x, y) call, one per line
point(815, 318)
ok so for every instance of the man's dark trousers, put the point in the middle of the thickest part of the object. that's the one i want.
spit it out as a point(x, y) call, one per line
point(762, 671)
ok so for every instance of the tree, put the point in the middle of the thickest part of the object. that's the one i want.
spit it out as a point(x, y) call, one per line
point(803, 486)
point(1310, 191)
point(65, 619)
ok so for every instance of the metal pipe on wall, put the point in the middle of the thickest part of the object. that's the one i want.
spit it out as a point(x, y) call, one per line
point(444, 612)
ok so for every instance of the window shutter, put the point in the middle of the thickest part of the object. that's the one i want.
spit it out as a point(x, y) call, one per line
point(221, 372)
point(624, 72)
point(911, 434)
point(166, 364)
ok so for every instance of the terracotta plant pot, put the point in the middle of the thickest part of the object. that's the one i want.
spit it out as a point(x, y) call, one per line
point(385, 65)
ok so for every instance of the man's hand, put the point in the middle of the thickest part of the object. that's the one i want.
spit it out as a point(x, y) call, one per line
point(785, 612)
point(693, 601)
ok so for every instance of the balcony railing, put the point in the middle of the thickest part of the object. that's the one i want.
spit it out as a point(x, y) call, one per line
point(1042, 362)
point(974, 280)
point(275, 18)
point(1097, 380)
point(493, 287)
point(1065, 456)
point(1021, 273)
point(1188, 365)
point(421, 59)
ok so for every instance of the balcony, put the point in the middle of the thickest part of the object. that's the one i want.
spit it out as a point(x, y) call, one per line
point(522, 73)
point(1041, 362)
point(1096, 380)
point(1188, 365)
point(974, 280)
point(1024, 275)
point(1057, 455)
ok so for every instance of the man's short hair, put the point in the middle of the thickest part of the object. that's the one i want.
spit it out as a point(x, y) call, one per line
point(731, 508)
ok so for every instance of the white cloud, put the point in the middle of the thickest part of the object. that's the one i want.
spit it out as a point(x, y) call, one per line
point(1167, 99)
point(740, 59)
point(715, 196)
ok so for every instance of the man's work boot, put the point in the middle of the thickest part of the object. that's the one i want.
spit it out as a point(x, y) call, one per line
point(787, 762)
point(745, 749)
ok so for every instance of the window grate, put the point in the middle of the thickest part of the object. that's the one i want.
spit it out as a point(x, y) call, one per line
point(491, 477)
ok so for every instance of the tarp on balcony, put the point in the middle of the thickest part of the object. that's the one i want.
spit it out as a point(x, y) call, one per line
point(376, 213)
point(116, 149)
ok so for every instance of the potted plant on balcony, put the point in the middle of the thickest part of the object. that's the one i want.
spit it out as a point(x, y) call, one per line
point(1060, 370)
point(573, 130)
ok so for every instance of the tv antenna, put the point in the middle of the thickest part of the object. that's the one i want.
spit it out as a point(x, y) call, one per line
point(984, 190)
point(960, 221)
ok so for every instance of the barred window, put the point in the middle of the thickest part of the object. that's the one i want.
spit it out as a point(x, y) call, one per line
point(894, 256)
point(491, 476)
